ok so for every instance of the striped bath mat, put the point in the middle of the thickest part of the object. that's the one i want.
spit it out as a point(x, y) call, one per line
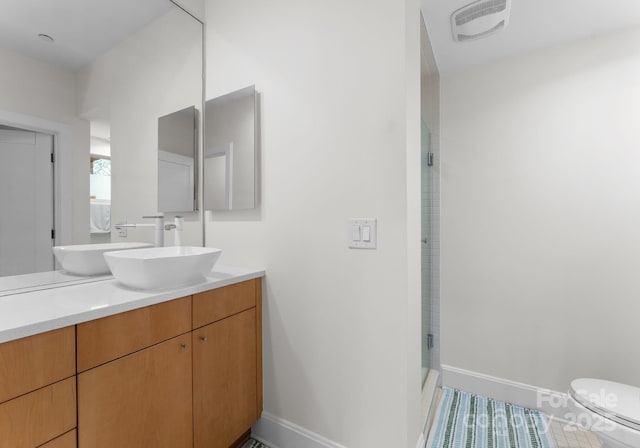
point(468, 421)
point(251, 443)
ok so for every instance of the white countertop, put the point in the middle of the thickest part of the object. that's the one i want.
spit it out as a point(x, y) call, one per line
point(28, 313)
point(17, 284)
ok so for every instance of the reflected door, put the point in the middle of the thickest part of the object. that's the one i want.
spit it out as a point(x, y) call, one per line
point(26, 201)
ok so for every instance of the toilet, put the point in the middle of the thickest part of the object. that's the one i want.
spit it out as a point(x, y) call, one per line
point(610, 410)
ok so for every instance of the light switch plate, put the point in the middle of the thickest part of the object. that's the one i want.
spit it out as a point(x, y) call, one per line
point(357, 228)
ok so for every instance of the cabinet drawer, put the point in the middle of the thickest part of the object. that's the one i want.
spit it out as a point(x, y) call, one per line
point(33, 419)
point(112, 337)
point(30, 363)
point(65, 441)
point(211, 306)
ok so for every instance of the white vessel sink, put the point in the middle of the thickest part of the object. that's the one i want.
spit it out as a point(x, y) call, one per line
point(88, 259)
point(162, 267)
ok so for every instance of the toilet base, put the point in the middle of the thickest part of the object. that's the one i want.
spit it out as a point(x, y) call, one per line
point(609, 433)
point(607, 442)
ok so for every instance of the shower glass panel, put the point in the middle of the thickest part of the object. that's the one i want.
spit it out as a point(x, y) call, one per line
point(426, 247)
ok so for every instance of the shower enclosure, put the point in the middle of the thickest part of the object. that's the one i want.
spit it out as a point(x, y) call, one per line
point(426, 239)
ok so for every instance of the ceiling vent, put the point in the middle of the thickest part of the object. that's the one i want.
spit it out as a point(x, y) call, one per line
point(480, 19)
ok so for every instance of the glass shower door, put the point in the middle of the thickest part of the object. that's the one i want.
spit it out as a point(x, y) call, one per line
point(425, 168)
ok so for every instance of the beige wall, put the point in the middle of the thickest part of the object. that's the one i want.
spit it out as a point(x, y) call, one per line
point(541, 212)
point(339, 85)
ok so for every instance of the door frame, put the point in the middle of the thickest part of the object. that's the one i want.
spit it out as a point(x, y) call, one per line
point(62, 168)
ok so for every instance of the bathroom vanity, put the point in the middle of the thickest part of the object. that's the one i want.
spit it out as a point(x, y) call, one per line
point(99, 365)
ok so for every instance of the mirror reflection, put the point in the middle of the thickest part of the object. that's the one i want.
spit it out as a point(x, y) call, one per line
point(82, 86)
point(177, 150)
point(230, 151)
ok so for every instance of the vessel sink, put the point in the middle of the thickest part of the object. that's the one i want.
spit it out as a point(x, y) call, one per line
point(88, 259)
point(162, 267)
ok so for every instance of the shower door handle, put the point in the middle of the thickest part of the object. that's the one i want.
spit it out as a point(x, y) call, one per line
point(424, 240)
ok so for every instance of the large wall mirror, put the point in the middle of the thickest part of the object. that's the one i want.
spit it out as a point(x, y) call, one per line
point(86, 81)
point(230, 151)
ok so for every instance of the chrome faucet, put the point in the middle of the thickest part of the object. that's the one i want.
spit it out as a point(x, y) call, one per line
point(178, 223)
point(158, 225)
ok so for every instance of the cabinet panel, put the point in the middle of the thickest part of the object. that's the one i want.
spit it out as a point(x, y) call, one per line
point(259, 347)
point(35, 418)
point(109, 338)
point(217, 304)
point(30, 363)
point(65, 441)
point(225, 380)
point(141, 400)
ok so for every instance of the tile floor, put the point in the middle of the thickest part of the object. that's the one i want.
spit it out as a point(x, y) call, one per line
point(567, 436)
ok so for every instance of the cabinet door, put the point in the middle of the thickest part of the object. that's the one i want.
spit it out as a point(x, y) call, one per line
point(140, 400)
point(225, 380)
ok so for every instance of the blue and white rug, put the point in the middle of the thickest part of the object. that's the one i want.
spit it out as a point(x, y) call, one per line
point(252, 443)
point(468, 421)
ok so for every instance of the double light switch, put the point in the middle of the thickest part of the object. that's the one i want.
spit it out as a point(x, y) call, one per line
point(362, 233)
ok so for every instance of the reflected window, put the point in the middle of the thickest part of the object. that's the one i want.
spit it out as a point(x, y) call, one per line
point(101, 167)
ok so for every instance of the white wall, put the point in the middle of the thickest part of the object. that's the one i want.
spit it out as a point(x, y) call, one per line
point(541, 211)
point(38, 91)
point(339, 85)
point(152, 73)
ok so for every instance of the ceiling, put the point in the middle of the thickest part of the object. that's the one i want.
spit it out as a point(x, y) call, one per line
point(82, 29)
point(535, 24)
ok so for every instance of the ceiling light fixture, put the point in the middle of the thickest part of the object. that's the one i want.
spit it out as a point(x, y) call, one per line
point(480, 19)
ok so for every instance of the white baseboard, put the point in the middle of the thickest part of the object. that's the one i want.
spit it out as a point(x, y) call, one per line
point(279, 433)
point(548, 401)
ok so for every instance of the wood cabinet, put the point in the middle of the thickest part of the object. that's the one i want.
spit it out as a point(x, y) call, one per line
point(140, 400)
point(180, 374)
point(142, 395)
point(106, 339)
point(217, 304)
point(30, 363)
point(33, 419)
point(227, 364)
point(224, 380)
point(37, 388)
point(67, 440)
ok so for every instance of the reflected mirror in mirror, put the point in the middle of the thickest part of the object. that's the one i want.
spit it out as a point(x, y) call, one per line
point(230, 151)
point(177, 137)
point(88, 97)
